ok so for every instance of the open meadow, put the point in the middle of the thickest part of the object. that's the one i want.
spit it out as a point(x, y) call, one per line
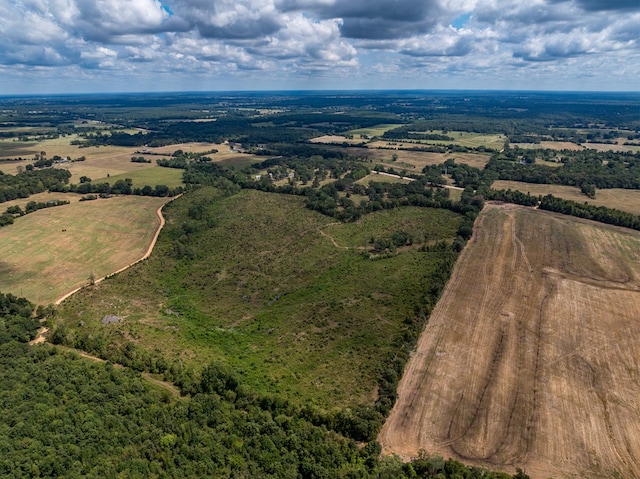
point(466, 138)
point(530, 358)
point(618, 198)
point(50, 252)
point(377, 130)
point(151, 175)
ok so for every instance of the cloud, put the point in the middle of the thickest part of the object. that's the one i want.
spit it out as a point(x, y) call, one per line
point(287, 38)
point(241, 19)
point(374, 19)
point(605, 5)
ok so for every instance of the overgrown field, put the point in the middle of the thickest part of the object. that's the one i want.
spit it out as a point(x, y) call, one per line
point(618, 198)
point(50, 252)
point(530, 358)
point(295, 302)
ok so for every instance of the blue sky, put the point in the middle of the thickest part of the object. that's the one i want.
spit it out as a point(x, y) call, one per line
point(77, 46)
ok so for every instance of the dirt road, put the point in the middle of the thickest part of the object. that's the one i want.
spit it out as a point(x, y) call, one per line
point(146, 254)
point(532, 356)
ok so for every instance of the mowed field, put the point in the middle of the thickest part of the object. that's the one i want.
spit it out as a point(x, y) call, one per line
point(618, 198)
point(50, 252)
point(531, 358)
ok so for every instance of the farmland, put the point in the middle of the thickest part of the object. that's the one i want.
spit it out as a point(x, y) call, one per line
point(618, 198)
point(530, 357)
point(151, 175)
point(50, 252)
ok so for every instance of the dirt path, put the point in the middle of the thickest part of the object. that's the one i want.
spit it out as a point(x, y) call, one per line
point(530, 358)
point(334, 242)
point(149, 250)
point(40, 337)
point(450, 187)
point(170, 387)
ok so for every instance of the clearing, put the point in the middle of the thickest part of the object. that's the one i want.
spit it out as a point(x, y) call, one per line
point(530, 358)
point(281, 293)
point(52, 251)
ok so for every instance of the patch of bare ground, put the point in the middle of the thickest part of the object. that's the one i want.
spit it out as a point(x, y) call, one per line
point(531, 358)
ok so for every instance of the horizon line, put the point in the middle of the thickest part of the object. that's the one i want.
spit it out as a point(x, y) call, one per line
point(319, 91)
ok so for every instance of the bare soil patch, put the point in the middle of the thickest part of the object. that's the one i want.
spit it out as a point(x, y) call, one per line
point(530, 358)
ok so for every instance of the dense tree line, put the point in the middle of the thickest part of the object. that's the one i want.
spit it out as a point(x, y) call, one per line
point(509, 196)
point(29, 183)
point(411, 132)
point(121, 187)
point(231, 127)
point(75, 418)
point(17, 321)
point(588, 167)
point(12, 212)
point(591, 212)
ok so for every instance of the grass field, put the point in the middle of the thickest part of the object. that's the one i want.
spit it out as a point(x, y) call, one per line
point(114, 161)
point(382, 179)
point(377, 130)
point(151, 175)
point(469, 139)
point(52, 251)
point(278, 291)
point(530, 358)
point(618, 198)
point(59, 146)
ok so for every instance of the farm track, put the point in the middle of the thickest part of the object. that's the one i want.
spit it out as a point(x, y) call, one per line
point(41, 336)
point(530, 358)
point(146, 254)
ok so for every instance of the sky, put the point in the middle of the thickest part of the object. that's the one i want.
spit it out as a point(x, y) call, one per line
point(83, 46)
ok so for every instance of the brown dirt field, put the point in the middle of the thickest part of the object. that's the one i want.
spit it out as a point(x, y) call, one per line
point(618, 198)
point(531, 358)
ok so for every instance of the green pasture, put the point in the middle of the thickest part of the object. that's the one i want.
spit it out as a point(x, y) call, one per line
point(377, 130)
point(152, 176)
point(468, 139)
point(378, 178)
point(255, 282)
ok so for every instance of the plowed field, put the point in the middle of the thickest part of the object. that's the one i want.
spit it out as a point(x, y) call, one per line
point(531, 358)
